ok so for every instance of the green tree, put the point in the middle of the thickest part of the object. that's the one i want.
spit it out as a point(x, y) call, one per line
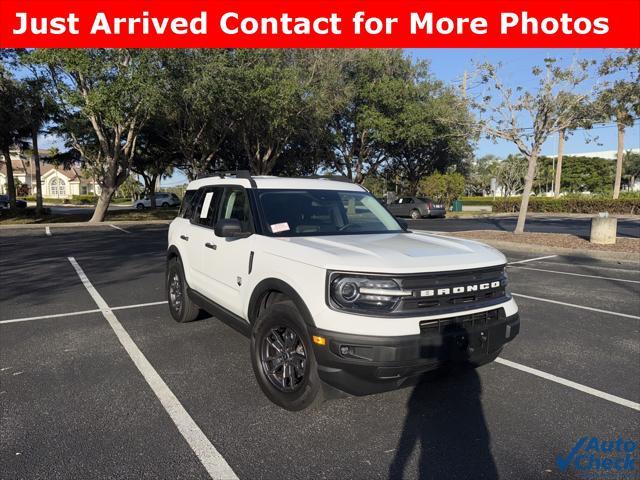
point(430, 130)
point(528, 118)
point(480, 174)
point(620, 101)
point(631, 168)
point(442, 188)
point(106, 97)
point(372, 86)
point(200, 107)
point(282, 97)
point(12, 123)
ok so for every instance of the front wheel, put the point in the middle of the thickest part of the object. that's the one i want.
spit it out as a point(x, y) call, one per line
point(139, 206)
point(181, 306)
point(283, 360)
point(165, 205)
point(415, 214)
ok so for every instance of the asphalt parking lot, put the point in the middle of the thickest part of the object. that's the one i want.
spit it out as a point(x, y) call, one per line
point(117, 389)
point(580, 226)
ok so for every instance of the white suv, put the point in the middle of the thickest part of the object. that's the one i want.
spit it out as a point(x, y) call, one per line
point(162, 200)
point(334, 292)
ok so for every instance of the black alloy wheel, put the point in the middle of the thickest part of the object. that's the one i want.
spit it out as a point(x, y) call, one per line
point(284, 359)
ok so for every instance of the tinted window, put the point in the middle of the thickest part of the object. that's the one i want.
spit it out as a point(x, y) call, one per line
point(186, 209)
point(205, 208)
point(235, 204)
point(407, 200)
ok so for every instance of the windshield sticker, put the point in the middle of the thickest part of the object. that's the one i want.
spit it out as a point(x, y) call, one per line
point(280, 227)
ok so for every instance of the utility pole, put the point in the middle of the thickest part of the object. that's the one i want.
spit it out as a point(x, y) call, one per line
point(556, 190)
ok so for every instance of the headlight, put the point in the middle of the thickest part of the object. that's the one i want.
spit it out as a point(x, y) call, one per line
point(364, 293)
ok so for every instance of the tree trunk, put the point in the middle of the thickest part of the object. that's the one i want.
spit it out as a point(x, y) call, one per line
point(619, 159)
point(152, 191)
point(11, 185)
point(36, 160)
point(103, 204)
point(528, 185)
point(556, 190)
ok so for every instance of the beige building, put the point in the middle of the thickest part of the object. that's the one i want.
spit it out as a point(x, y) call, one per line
point(57, 181)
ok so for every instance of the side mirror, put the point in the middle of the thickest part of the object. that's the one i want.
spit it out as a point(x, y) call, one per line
point(230, 227)
point(403, 224)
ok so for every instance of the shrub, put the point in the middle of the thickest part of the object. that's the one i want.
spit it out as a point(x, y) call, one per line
point(84, 199)
point(571, 204)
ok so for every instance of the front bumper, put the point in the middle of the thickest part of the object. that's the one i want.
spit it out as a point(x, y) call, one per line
point(360, 364)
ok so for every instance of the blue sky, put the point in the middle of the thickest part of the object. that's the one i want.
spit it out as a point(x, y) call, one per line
point(449, 65)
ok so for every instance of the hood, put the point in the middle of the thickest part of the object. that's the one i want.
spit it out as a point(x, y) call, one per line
point(386, 253)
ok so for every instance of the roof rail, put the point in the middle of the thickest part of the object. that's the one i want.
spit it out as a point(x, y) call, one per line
point(335, 178)
point(246, 174)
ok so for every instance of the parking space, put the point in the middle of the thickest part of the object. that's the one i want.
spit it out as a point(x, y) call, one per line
point(79, 401)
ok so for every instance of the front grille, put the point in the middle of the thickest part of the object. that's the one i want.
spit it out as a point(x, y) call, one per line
point(462, 322)
point(447, 292)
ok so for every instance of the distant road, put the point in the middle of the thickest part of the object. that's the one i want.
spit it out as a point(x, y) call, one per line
point(559, 224)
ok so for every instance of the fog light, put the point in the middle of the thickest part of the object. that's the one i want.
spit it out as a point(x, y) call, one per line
point(344, 350)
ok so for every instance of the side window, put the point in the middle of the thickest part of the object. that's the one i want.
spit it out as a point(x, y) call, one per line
point(407, 200)
point(235, 204)
point(188, 202)
point(205, 208)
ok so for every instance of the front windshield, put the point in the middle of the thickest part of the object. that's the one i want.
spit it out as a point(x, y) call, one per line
point(296, 213)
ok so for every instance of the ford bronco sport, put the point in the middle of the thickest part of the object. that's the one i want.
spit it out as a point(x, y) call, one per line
point(334, 292)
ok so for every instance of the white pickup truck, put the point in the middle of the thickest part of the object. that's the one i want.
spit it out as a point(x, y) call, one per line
point(334, 291)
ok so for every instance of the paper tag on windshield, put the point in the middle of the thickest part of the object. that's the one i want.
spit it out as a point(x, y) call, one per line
point(280, 227)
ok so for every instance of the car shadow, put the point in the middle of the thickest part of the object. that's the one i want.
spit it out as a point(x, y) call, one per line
point(445, 429)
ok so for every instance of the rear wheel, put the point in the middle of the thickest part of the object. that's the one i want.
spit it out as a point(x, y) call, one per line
point(181, 306)
point(165, 204)
point(415, 214)
point(283, 360)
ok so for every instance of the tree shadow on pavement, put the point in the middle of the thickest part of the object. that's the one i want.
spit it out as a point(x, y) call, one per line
point(445, 423)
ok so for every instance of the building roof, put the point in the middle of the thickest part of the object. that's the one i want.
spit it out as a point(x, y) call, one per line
point(22, 166)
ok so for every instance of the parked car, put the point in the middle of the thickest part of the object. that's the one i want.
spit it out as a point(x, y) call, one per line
point(162, 200)
point(290, 262)
point(416, 207)
point(4, 203)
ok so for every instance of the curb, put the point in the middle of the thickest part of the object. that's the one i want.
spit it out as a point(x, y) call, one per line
point(453, 215)
point(28, 226)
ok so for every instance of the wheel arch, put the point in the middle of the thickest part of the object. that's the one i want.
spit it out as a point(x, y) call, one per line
point(265, 288)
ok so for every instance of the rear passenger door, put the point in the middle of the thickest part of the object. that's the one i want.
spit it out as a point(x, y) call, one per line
point(202, 239)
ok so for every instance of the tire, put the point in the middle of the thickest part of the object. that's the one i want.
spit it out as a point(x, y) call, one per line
point(415, 214)
point(181, 306)
point(271, 331)
point(165, 205)
point(139, 206)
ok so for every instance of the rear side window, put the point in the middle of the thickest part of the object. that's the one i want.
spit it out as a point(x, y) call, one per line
point(186, 209)
point(205, 208)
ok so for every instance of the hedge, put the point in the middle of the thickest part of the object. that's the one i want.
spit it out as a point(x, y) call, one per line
point(571, 204)
point(476, 200)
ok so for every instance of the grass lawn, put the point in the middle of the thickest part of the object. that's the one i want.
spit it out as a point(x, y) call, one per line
point(28, 215)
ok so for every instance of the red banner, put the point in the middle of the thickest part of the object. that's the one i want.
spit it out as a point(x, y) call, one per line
point(346, 23)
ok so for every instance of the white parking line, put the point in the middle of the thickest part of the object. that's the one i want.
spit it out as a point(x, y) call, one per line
point(81, 312)
point(532, 259)
point(608, 312)
point(47, 230)
point(118, 228)
point(213, 462)
point(568, 383)
point(577, 274)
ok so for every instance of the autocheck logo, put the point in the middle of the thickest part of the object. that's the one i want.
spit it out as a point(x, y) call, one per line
point(436, 292)
point(595, 458)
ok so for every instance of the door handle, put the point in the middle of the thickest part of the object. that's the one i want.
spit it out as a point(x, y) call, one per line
point(211, 246)
point(184, 237)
